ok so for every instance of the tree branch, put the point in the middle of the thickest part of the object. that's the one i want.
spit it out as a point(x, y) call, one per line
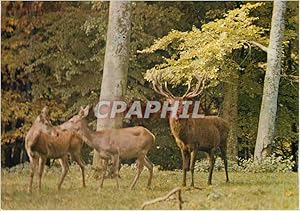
point(262, 47)
point(164, 198)
point(294, 78)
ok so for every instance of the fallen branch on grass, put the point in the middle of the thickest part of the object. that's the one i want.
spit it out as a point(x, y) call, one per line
point(166, 197)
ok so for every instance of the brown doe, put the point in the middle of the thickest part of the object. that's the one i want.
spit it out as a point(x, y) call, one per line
point(208, 134)
point(115, 145)
point(46, 141)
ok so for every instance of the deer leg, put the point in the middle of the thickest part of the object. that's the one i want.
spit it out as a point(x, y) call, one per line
point(140, 165)
point(116, 164)
point(224, 158)
point(185, 164)
point(149, 166)
point(105, 163)
point(33, 164)
point(119, 167)
point(211, 166)
point(217, 149)
point(192, 164)
point(64, 170)
point(79, 161)
point(42, 162)
point(110, 171)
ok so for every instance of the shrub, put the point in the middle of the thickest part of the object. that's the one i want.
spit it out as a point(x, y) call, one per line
point(269, 164)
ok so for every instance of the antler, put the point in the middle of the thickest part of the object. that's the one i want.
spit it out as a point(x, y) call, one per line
point(198, 89)
point(158, 87)
point(187, 91)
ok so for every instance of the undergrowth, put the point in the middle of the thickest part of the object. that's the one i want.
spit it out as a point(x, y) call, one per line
point(246, 190)
point(269, 164)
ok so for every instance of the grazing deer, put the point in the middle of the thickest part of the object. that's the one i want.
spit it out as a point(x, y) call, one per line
point(208, 134)
point(45, 141)
point(115, 144)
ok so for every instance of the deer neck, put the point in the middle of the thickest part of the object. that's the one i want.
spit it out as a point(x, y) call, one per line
point(178, 127)
point(88, 136)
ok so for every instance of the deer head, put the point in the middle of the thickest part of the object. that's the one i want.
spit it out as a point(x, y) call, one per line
point(43, 123)
point(162, 89)
point(76, 122)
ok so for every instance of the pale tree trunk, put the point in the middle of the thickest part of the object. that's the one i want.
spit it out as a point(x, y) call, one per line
point(266, 125)
point(230, 114)
point(114, 81)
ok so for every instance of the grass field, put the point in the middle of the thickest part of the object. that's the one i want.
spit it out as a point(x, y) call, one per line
point(245, 191)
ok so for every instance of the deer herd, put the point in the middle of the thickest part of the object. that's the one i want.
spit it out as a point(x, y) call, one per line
point(43, 141)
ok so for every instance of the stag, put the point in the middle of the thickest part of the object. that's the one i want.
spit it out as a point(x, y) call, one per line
point(115, 145)
point(208, 134)
point(43, 141)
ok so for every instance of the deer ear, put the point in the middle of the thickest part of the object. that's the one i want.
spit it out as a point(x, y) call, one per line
point(81, 111)
point(171, 101)
point(45, 110)
point(42, 119)
point(86, 111)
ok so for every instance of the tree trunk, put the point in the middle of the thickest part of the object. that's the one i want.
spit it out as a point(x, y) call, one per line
point(114, 81)
point(230, 114)
point(266, 125)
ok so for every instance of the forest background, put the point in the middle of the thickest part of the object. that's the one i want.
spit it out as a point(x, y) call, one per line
point(53, 54)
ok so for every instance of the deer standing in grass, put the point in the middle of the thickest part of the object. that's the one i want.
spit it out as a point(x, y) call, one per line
point(208, 134)
point(46, 141)
point(115, 144)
